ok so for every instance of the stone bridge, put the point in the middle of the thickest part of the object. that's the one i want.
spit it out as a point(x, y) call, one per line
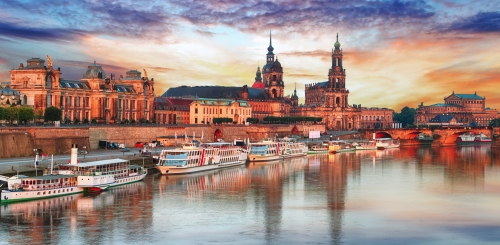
point(437, 137)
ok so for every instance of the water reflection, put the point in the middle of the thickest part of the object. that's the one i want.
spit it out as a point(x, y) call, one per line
point(83, 217)
point(393, 196)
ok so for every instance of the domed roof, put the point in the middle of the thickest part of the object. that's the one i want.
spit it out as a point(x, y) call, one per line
point(94, 71)
point(276, 64)
point(8, 91)
point(337, 44)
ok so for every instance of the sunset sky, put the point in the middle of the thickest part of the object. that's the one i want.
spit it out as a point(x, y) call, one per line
point(396, 53)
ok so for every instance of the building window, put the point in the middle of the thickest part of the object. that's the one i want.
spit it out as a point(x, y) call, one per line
point(196, 112)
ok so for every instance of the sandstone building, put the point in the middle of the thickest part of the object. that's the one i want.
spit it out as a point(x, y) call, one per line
point(467, 109)
point(95, 96)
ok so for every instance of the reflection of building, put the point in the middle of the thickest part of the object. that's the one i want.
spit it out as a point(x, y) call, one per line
point(95, 96)
point(467, 109)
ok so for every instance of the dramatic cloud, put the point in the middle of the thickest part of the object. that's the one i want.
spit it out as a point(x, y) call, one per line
point(484, 22)
point(39, 34)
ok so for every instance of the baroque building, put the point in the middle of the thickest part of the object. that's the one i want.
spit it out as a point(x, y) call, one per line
point(95, 96)
point(329, 99)
point(466, 109)
point(266, 96)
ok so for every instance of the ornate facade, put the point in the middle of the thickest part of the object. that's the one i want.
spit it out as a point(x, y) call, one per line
point(329, 99)
point(95, 96)
point(374, 118)
point(467, 109)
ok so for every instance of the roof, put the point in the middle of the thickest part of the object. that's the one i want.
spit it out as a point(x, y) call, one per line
point(73, 84)
point(97, 163)
point(445, 105)
point(215, 92)
point(442, 118)
point(469, 96)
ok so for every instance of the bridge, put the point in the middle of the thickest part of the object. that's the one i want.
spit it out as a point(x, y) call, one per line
point(437, 137)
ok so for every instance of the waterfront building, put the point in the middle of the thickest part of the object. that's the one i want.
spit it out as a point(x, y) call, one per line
point(204, 110)
point(94, 96)
point(265, 96)
point(467, 109)
point(374, 117)
point(330, 100)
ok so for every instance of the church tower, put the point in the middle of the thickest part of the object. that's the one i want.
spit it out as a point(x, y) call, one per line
point(336, 77)
point(272, 74)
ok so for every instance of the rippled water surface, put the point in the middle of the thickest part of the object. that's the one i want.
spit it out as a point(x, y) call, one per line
point(396, 196)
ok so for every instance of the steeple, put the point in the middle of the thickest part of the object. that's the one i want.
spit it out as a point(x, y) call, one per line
point(258, 76)
point(270, 54)
point(270, 48)
point(337, 44)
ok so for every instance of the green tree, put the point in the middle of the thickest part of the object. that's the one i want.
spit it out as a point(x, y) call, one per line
point(406, 117)
point(495, 122)
point(12, 114)
point(26, 114)
point(3, 113)
point(52, 114)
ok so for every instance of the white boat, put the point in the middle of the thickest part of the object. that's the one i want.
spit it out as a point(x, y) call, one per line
point(318, 149)
point(472, 139)
point(264, 150)
point(193, 158)
point(339, 146)
point(291, 148)
point(366, 145)
point(72, 178)
point(386, 143)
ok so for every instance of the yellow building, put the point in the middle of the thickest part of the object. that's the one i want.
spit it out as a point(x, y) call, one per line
point(204, 110)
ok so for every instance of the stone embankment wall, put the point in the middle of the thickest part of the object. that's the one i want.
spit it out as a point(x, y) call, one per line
point(20, 141)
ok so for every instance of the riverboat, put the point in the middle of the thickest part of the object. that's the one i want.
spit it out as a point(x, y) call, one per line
point(386, 143)
point(318, 149)
point(264, 150)
point(195, 158)
point(71, 178)
point(472, 139)
point(339, 146)
point(291, 148)
point(366, 145)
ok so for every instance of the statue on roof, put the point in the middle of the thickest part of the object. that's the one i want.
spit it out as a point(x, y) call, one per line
point(49, 62)
point(145, 73)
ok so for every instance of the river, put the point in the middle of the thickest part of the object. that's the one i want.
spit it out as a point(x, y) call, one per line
point(396, 196)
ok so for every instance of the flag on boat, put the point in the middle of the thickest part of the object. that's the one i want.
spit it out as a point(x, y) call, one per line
point(202, 134)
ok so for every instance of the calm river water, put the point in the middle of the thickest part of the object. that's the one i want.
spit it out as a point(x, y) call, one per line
point(397, 196)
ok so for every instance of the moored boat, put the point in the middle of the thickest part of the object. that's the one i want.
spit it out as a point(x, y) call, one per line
point(318, 149)
point(472, 139)
point(203, 157)
point(339, 146)
point(366, 145)
point(291, 148)
point(72, 178)
point(264, 150)
point(386, 143)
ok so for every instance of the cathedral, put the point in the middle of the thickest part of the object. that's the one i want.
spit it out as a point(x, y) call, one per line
point(95, 96)
point(328, 99)
point(265, 96)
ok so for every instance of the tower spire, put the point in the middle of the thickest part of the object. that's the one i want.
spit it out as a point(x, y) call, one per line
point(270, 48)
point(337, 44)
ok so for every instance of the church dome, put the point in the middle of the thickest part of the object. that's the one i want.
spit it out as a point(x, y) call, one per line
point(94, 71)
point(276, 64)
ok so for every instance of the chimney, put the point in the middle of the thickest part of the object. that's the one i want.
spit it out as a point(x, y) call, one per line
point(74, 154)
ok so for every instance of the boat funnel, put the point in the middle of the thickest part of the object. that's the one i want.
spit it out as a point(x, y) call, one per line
point(74, 154)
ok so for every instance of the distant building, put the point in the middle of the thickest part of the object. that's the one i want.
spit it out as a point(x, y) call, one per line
point(204, 110)
point(467, 109)
point(444, 120)
point(375, 118)
point(95, 96)
point(328, 99)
